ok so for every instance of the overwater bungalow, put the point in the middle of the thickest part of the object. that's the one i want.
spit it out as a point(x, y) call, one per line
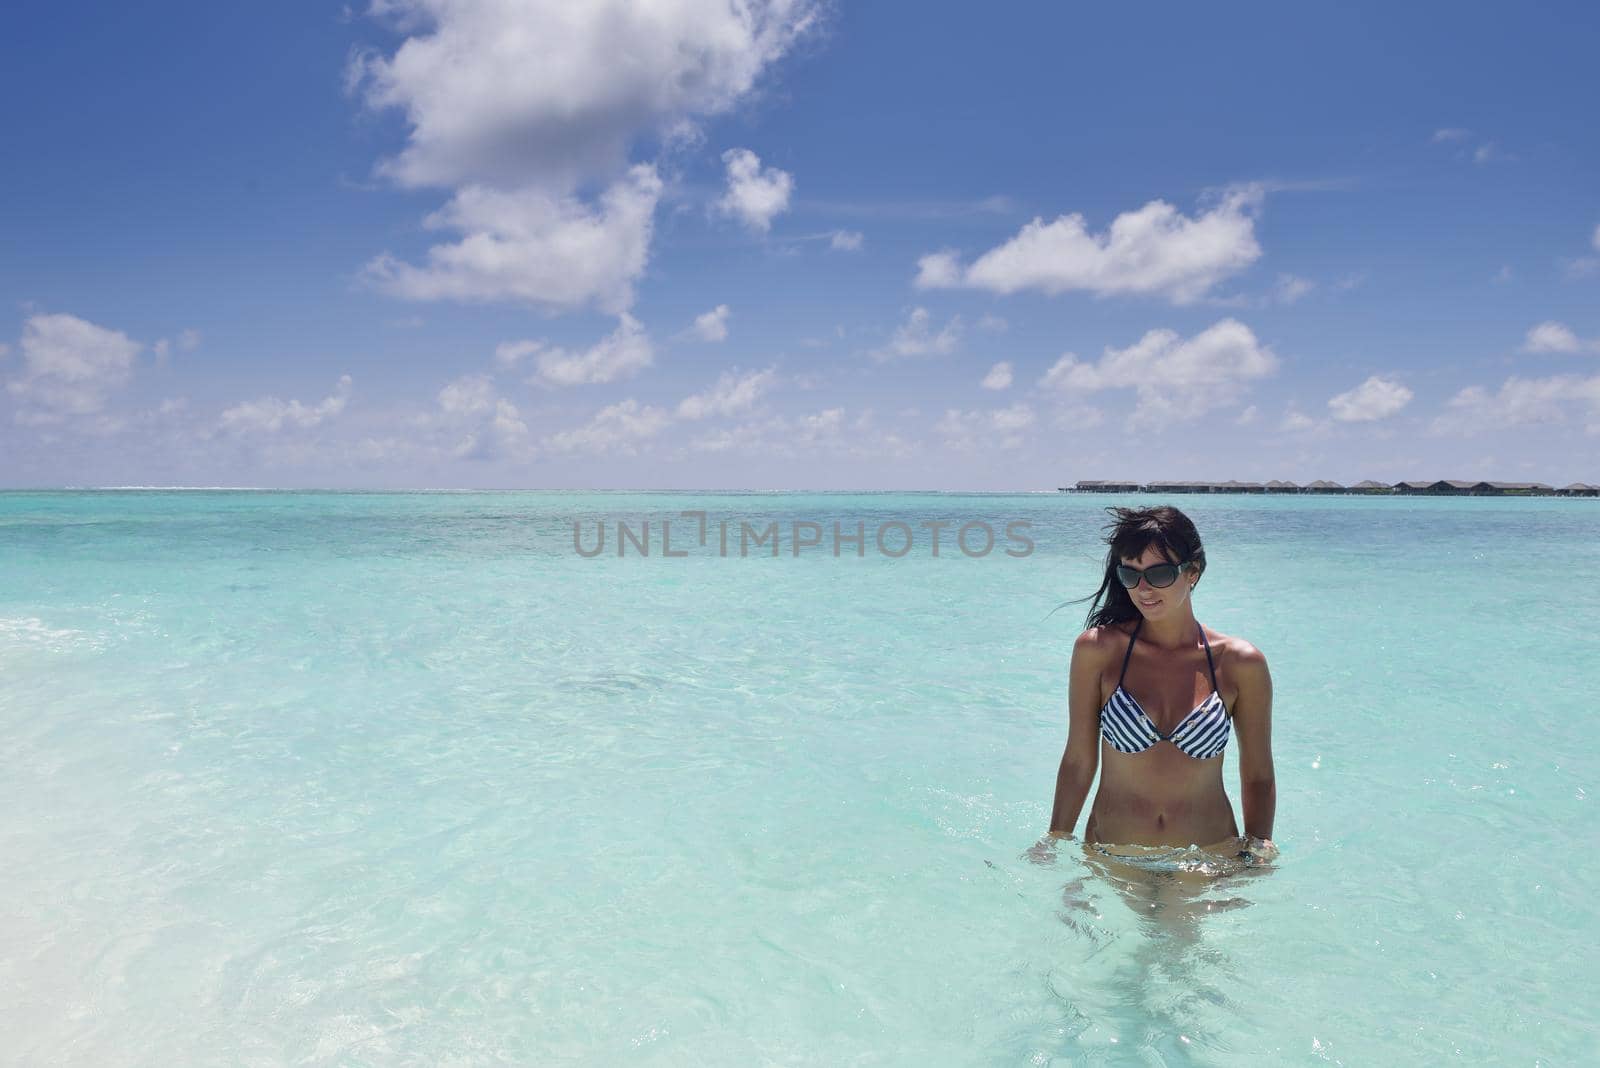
point(1516, 489)
point(1095, 485)
point(1443, 487)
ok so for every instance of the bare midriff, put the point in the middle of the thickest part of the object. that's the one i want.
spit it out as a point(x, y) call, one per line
point(1160, 797)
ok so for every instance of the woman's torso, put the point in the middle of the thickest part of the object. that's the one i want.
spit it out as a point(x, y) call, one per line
point(1162, 795)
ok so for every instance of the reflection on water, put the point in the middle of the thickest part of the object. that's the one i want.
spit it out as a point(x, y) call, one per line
point(1170, 888)
point(1137, 950)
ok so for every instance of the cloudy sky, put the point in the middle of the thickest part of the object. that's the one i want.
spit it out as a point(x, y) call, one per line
point(786, 244)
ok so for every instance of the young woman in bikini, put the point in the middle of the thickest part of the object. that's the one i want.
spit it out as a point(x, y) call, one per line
point(1154, 699)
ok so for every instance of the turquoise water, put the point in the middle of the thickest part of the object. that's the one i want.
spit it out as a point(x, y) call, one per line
point(401, 778)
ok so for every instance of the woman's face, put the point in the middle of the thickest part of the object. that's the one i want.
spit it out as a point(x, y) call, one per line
point(1153, 601)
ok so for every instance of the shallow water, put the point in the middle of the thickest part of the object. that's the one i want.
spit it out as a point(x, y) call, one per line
point(401, 778)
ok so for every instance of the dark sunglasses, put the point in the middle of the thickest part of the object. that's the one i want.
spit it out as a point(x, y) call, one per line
point(1159, 575)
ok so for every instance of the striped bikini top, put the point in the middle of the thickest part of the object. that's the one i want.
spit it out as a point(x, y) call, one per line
point(1202, 734)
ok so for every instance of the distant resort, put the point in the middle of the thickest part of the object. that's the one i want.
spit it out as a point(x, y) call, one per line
point(1442, 488)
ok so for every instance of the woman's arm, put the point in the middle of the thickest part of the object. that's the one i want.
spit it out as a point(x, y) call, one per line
point(1082, 757)
point(1252, 725)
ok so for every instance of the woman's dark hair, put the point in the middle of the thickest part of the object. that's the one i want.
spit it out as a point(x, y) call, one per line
point(1129, 534)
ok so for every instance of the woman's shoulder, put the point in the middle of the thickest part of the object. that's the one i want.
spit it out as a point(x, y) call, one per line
point(1105, 631)
point(1105, 638)
point(1236, 651)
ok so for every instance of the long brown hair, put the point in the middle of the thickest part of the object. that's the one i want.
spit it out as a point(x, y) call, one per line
point(1130, 532)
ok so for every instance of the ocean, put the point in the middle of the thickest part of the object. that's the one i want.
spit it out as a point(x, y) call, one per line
point(413, 778)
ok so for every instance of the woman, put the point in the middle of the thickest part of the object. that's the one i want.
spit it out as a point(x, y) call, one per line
point(1158, 698)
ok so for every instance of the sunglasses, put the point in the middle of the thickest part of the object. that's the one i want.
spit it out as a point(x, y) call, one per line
point(1159, 575)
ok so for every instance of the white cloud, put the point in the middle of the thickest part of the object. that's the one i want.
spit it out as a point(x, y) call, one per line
point(915, 337)
point(269, 415)
point(1582, 267)
point(621, 354)
point(1294, 421)
point(1154, 250)
point(489, 426)
point(1291, 288)
point(188, 341)
point(1595, 240)
point(822, 433)
point(617, 428)
point(713, 325)
point(999, 376)
point(1175, 379)
point(508, 354)
point(995, 428)
point(507, 424)
point(1078, 417)
point(551, 93)
point(519, 105)
point(1458, 135)
point(731, 394)
point(724, 439)
point(1551, 337)
point(1521, 402)
point(1557, 337)
point(825, 423)
point(1376, 398)
point(938, 270)
point(846, 240)
point(1013, 418)
point(755, 194)
point(70, 367)
point(554, 252)
point(468, 395)
point(993, 324)
point(1246, 417)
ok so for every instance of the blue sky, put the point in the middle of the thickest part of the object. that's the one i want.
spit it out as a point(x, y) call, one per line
point(796, 245)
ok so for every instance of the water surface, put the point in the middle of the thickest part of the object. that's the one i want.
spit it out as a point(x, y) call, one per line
point(325, 778)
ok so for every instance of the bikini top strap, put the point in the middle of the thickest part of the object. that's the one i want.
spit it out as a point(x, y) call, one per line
point(1210, 665)
point(1129, 653)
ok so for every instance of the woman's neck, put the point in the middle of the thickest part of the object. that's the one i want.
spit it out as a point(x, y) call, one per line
point(1175, 632)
